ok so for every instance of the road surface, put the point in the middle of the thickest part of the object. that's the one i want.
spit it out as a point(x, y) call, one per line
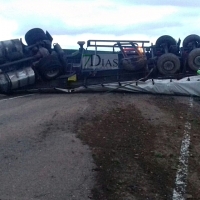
point(40, 156)
point(144, 147)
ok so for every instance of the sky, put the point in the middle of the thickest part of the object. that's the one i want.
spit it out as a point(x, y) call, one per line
point(70, 21)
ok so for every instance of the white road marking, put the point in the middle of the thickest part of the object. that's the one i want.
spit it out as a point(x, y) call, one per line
point(17, 97)
point(181, 174)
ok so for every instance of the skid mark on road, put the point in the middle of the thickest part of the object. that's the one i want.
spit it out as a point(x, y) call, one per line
point(181, 175)
point(16, 97)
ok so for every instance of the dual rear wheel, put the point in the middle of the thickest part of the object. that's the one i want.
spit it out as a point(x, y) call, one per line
point(169, 63)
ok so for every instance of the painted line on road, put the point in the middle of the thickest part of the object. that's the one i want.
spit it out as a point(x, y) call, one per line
point(181, 174)
point(17, 97)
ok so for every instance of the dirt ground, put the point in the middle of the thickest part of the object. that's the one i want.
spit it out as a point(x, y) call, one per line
point(135, 141)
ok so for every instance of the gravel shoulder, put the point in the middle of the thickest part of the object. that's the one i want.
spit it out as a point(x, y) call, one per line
point(136, 140)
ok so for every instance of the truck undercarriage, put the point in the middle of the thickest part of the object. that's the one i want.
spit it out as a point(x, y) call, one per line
point(110, 65)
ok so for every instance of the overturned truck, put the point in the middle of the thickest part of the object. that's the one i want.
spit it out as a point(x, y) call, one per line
point(128, 65)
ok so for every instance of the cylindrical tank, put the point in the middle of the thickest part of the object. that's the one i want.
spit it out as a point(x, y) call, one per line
point(10, 50)
point(16, 79)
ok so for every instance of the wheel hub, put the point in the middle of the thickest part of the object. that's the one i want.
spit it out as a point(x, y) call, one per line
point(168, 65)
point(52, 72)
point(197, 60)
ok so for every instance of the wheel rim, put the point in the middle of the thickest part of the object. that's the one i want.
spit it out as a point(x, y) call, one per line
point(197, 61)
point(52, 73)
point(168, 65)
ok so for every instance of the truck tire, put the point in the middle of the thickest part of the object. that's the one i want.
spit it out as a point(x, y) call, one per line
point(49, 67)
point(168, 64)
point(165, 39)
point(191, 38)
point(34, 35)
point(194, 59)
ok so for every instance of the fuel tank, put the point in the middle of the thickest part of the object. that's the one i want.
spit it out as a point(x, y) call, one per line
point(16, 79)
point(10, 50)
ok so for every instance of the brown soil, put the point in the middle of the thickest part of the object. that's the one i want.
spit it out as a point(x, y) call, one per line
point(135, 140)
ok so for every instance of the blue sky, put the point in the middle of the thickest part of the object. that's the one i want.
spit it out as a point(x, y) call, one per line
point(70, 21)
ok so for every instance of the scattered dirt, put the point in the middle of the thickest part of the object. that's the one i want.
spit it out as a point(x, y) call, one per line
point(135, 141)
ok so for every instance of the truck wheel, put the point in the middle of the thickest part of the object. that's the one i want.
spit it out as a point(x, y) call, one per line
point(165, 39)
point(191, 38)
point(194, 59)
point(49, 67)
point(34, 35)
point(168, 64)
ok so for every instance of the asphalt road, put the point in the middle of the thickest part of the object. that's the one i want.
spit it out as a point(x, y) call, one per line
point(40, 156)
